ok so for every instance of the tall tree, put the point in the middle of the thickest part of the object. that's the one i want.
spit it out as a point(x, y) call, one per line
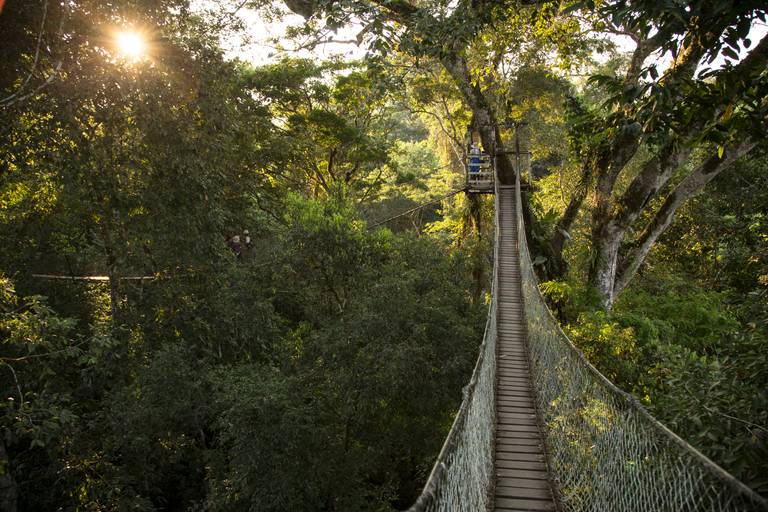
point(669, 111)
point(663, 133)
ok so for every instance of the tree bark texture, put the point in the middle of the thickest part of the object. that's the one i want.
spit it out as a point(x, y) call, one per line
point(689, 187)
point(613, 268)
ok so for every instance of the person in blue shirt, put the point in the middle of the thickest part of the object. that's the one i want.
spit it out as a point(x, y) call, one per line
point(474, 159)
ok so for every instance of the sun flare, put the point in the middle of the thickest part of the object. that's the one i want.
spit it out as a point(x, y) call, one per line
point(131, 44)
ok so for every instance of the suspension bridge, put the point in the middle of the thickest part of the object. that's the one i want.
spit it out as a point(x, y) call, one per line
point(541, 429)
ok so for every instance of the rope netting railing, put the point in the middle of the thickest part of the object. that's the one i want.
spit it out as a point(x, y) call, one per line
point(606, 452)
point(461, 477)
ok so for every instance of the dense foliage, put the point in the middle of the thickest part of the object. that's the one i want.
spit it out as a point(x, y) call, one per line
point(318, 370)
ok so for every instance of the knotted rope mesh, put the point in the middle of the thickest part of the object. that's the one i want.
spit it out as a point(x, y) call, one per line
point(606, 452)
point(461, 477)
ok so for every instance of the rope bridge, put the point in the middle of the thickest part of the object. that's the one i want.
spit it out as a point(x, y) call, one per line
point(604, 451)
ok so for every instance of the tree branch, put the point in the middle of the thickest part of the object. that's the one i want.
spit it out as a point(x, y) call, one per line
point(689, 187)
point(653, 176)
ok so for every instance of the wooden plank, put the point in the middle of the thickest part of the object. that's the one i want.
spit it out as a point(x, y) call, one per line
point(519, 408)
point(512, 368)
point(513, 412)
point(536, 493)
point(514, 384)
point(519, 456)
point(513, 358)
point(524, 504)
point(514, 372)
point(511, 422)
point(514, 436)
point(511, 349)
point(519, 445)
point(509, 409)
point(521, 464)
point(514, 377)
point(515, 401)
point(519, 367)
point(516, 419)
point(512, 355)
point(515, 394)
point(525, 483)
point(531, 447)
point(518, 373)
point(516, 427)
point(515, 388)
point(517, 362)
point(509, 401)
point(529, 474)
point(512, 399)
point(503, 400)
point(515, 405)
point(511, 415)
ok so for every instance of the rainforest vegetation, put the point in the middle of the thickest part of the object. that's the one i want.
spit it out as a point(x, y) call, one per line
point(318, 362)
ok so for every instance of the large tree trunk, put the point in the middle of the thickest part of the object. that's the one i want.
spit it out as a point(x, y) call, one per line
point(613, 217)
point(606, 241)
point(689, 187)
point(483, 116)
point(611, 270)
point(486, 124)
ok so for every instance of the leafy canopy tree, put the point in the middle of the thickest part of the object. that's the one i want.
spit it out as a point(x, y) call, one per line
point(692, 103)
point(661, 134)
point(330, 127)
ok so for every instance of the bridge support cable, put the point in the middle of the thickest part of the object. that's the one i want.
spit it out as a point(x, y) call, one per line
point(415, 208)
point(462, 476)
point(606, 451)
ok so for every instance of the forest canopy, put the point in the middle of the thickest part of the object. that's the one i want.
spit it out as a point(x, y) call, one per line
point(209, 298)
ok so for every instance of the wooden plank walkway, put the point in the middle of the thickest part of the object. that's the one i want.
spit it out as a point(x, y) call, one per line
point(521, 471)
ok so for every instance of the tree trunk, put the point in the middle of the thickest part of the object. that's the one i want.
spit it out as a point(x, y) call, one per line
point(485, 122)
point(605, 244)
point(688, 188)
point(484, 119)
